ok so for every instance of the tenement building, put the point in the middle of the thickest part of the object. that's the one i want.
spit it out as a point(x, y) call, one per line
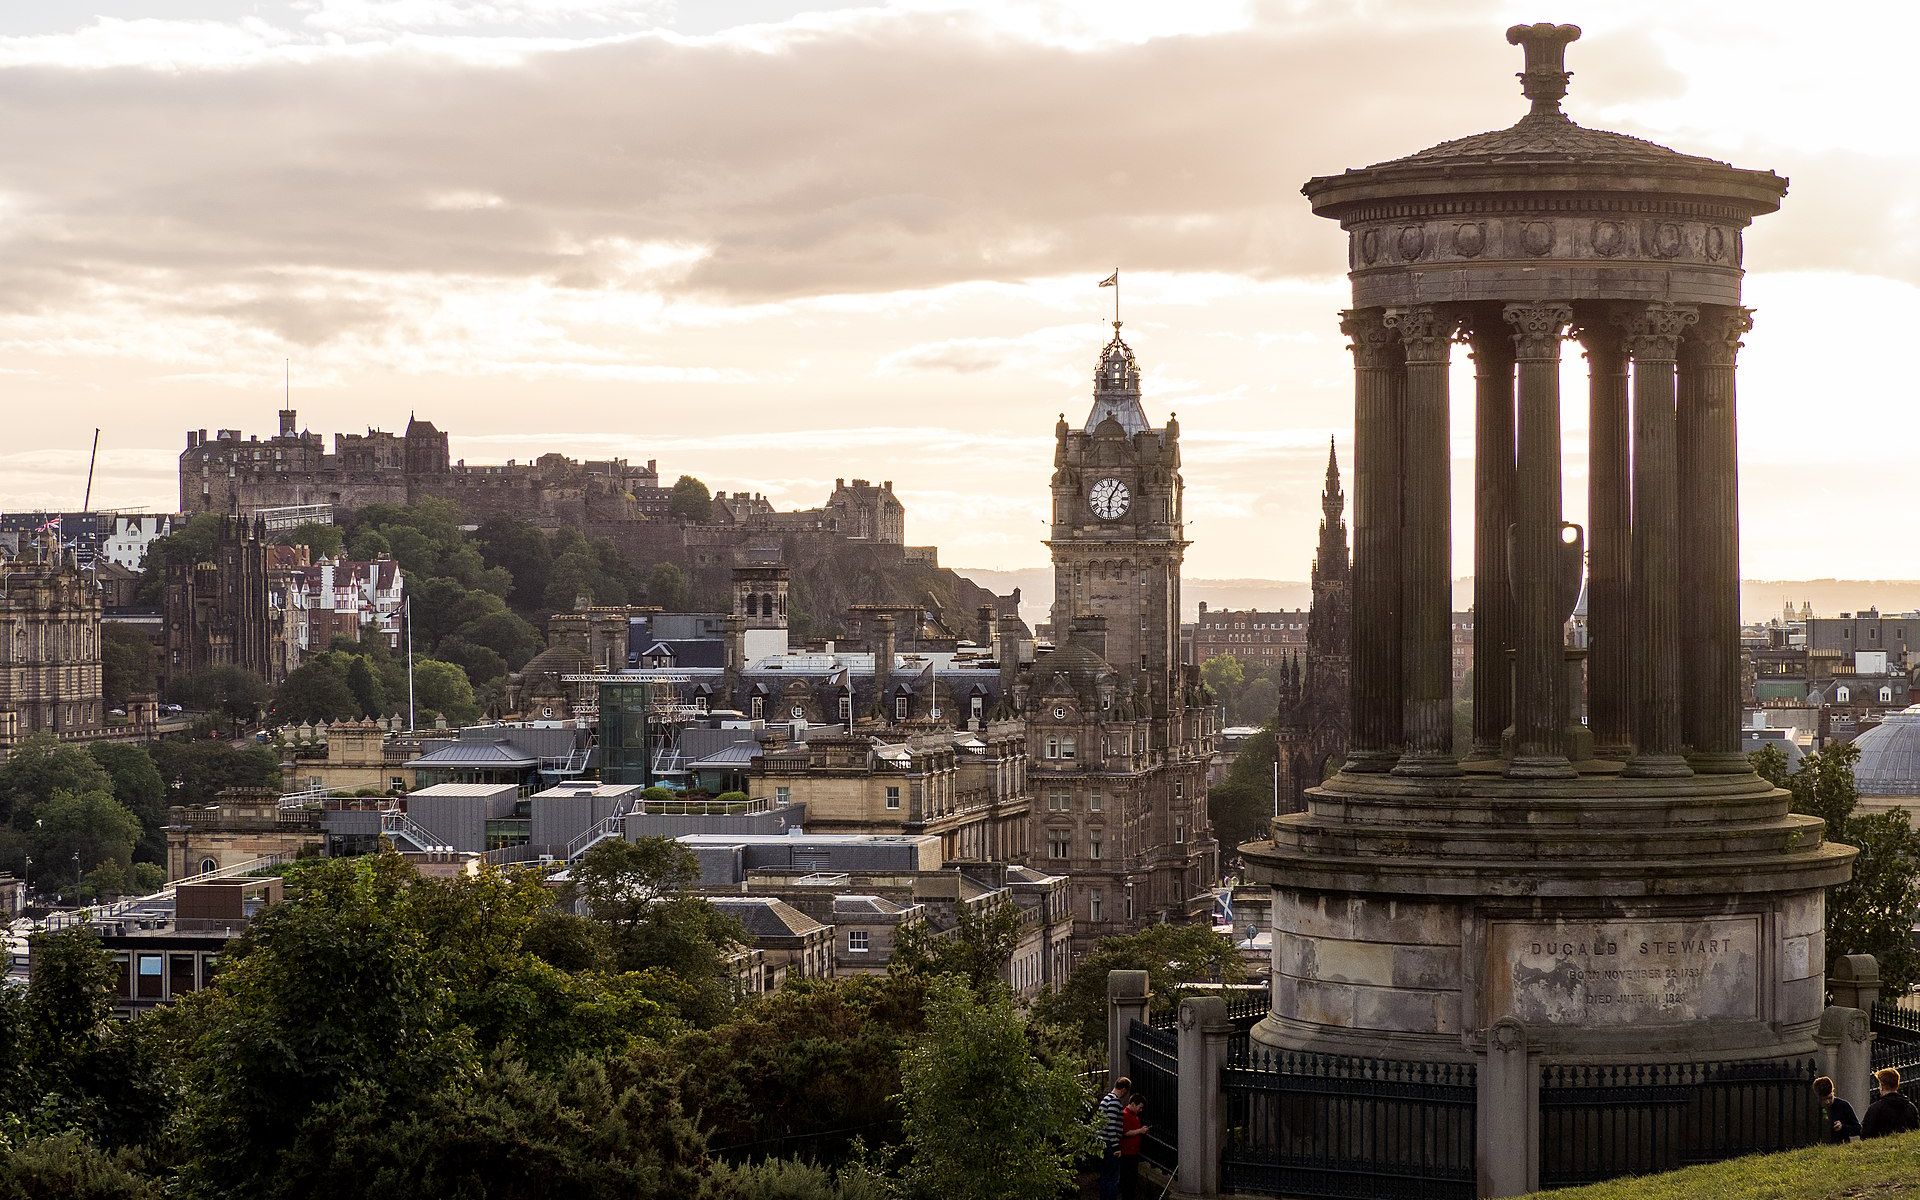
point(1623, 890)
point(1119, 728)
point(49, 650)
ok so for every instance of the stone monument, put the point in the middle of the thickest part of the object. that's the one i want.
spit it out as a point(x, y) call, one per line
point(1624, 890)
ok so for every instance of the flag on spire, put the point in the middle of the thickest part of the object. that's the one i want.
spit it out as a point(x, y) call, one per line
point(1112, 280)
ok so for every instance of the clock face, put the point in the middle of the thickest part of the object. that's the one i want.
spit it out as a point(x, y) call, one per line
point(1109, 499)
point(1059, 712)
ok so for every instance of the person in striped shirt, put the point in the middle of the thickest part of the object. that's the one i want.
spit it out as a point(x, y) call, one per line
point(1112, 1105)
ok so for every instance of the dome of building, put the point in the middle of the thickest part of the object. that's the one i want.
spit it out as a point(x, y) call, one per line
point(1890, 756)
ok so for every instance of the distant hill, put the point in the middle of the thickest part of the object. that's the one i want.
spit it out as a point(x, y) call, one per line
point(1760, 599)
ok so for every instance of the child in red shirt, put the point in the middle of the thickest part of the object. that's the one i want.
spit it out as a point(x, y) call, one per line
point(1130, 1132)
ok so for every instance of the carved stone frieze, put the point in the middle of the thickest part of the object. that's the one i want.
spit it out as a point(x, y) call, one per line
point(1622, 238)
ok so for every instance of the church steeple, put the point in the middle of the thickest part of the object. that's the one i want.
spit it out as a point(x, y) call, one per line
point(1332, 557)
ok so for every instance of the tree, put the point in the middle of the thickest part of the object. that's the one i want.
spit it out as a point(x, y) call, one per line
point(41, 766)
point(638, 891)
point(1872, 913)
point(84, 828)
point(667, 587)
point(316, 690)
point(1171, 955)
point(128, 665)
point(200, 769)
point(985, 1119)
point(136, 783)
point(366, 690)
point(323, 541)
point(234, 692)
point(1240, 805)
point(977, 949)
point(189, 543)
point(442, 687)
point(521, 549)
point(691, 501)
point(482, 664)
point(507, 634)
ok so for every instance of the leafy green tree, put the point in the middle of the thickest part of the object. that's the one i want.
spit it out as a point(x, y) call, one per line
point(985, 1118)
point(690, 500)
point(69, 1167)
point(442, 687)
point(521, 549)
point(199, 769)
point(41, 766)
point(366, 689)
point(1224, 676)
point(482, 664)
point(366, 545)
point(82, 830)
point(667, 587)
point(638, 891)
point(316, 690)
point(794, 1179)
point(324, 541)
point(506, 634)
point(1240, 805)
point(1873, 912)
point(1172, 955)
point(233, 692)
point(977, 949)
point(128, 664)
point(136, 783)
point(191, 542)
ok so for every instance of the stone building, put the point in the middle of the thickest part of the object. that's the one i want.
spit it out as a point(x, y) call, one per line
point(241, 824)
point(1119, 728)
point(49, 651)
point(1619, 891)
point(220, 612)
point(1315, 709)
point(1251, 637)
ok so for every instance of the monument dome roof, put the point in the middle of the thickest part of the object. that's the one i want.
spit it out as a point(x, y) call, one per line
point(1890, 756)
point(1549, 138)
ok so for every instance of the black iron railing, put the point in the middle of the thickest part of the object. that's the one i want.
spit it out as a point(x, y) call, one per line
point(1318, 1125)
point(1601, 1123)
point(1153, 1062)
point(1896, 1038)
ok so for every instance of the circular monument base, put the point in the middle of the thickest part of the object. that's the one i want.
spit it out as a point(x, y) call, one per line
point(1619, 919)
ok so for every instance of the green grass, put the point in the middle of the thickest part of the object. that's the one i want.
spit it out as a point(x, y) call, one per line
point(1882, 1169)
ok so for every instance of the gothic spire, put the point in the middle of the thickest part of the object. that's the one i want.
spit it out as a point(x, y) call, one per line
point(1333, 501)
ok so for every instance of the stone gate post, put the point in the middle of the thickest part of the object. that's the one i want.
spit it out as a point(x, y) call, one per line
point(1846, 1051)
point(1203, 1033)
point(1507, 1156)
point(1126, 1001)
point(1855, 982)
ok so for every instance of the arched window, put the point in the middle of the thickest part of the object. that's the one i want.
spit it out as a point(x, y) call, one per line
point(209, 864)
point(1843, 695)
point(766, 604)
point(753, 605)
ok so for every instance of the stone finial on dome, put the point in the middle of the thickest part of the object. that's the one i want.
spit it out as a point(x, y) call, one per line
point(1545, 80)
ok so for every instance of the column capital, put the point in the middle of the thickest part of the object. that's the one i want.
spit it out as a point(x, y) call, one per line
point(1374, 346)
point(1427, 331)
point(1653, 330)
point(1715, 340)
point(1538, 328)
point(1601, 338)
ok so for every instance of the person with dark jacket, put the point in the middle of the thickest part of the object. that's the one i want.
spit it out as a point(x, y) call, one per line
point(1842, 1124)
point(1890, 1112)
point(1112, 1105)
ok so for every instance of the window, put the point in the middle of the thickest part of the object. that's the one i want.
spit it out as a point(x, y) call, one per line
point(1059, 844)
point(979, 709)
point(846, 709)
point(1096, 901)
point(1180, 832)
point(1886, 695)
point(147, 980)
point(1053, 747)
point(1094, 848)
point(699, 704)
point(857, 941)
point(899, 708)
point(1094, 802)
point(179, 974)
point(782, 794)
point(209, 864)
point(893, 797)
point(1179, 789)
point(757, 707)
point(1067, 748)
point(1059, 802)
point(1843, 695)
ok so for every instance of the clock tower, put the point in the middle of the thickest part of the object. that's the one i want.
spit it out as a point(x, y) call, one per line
point(1117, 536)
point(1119, 729)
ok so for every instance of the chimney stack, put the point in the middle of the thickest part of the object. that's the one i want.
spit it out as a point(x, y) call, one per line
point(983, 629)
point(883, 663)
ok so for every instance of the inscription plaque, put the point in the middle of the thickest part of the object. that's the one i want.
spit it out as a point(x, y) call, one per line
point(1624, 972)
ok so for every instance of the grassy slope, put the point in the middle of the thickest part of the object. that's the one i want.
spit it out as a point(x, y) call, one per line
point(1878, 1170)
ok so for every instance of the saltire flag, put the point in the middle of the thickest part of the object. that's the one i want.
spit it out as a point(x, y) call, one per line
point(1223, 907)
point(1112, 280)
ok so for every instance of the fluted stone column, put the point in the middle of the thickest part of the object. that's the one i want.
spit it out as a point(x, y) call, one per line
point(1652, 337)
point(1492, 347)
point(1609, 542)
point(1539, 724)
point(1426, 546)
point(1379, 384)
point(1710, 540)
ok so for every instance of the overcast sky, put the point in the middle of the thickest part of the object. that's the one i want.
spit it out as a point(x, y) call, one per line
point(770, 243)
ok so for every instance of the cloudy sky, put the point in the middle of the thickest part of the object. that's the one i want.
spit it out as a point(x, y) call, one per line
point(770, 243)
